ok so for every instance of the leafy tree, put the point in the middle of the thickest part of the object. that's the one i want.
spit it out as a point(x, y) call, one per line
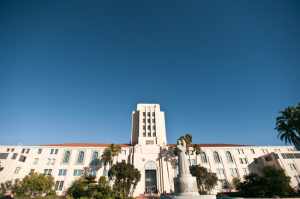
point(87, 187)
point(288, 125)
point(206, 181)
point(272, 182)
point(35, 185)
point(125, 178)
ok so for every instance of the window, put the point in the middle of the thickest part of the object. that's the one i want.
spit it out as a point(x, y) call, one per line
point(47, 171)
point(23, 151)
point(149, 127)
point(148, 120)
point(56, 151)
point(80, 157)
point(293, 166)
point(22, 158)
point(27, 151)
point(67, 157)
point(153, 120)
point(31, 171)
point(144, 113)
point(149, 134)
point(203, 157)
point(35, 161)
point(144, 127)
point(3, 155)
point(252, 150)
point(217, 157)
point(95, 155)
point(7, 150)
point(234, 172)
point(144, 120)
point(148, 114)
point(93, 172)
point(59, 185)
point(241, 161)
point(153, 114)
point(78, 172)
point(13, 149)
point(14, 156)
point(51, 151)
point(62, 172)
point(40, 151)
point(154, 134)
point(17, 170)
point(154, 127)
point(245, 171)
point(229, 156)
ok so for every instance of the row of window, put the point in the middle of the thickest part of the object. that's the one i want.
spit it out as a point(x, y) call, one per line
point(217, 157)
point(149, 120)
point(149, 114)
point(290, 155)
point(80, 158)
point(149, 127)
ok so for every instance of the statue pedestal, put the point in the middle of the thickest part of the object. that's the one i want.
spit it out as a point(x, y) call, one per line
point(186, 188)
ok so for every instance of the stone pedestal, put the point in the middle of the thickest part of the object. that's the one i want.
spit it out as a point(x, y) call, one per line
point(186, 188)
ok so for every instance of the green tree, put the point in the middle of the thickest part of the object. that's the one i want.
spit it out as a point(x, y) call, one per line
point(206, 181)
point(87, 187)
point(272, 182)
point(288, 125)
point(35, 185)
point(109, 155)
point(125, 178)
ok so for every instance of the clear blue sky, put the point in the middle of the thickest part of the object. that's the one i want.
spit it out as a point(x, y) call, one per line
point(72, 71)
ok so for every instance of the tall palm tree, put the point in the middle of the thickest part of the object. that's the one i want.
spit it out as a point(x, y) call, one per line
point(288, 125)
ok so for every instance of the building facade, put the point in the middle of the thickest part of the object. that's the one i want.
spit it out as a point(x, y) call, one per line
point(148, 153)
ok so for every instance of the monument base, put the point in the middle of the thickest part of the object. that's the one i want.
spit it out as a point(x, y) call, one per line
point(186, 196)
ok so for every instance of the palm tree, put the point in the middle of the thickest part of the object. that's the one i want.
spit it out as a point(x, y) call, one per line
point(115, 150)
point(288, 125)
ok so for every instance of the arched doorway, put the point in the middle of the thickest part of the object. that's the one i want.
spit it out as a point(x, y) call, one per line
point(150, 177)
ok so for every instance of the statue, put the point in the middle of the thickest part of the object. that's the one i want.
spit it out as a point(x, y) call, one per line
point(185, 183)
point(183, 163)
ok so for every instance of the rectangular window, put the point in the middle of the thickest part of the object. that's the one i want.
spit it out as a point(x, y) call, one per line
point(27, 151)
point(59, 185)
point(3, 155)
point(149, 127)
point(149, 134)
point(77, 172)
point(80, 157)
point(62, 172)
point(66, 158)
point(144, 120)
point(148, 114)
point(252, 150)
point(40, 151)
point(149, 120)
point(47, 171)
point(23, 151)
point(51, 151)
point(154, 134)
point(22, 158)
point(14, 156)
point(153, 120)
point(56, 151)
point(144, 113)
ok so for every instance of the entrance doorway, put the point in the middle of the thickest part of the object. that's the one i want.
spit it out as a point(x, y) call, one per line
point(150, 181)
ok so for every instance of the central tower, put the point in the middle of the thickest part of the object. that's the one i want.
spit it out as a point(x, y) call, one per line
point(148, 125)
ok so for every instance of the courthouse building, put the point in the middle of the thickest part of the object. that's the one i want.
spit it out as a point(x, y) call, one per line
point(65, 162)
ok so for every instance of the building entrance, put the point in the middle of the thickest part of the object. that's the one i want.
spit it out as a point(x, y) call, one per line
point(150, 181)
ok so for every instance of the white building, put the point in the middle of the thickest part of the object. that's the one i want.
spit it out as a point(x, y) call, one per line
point(65, 162)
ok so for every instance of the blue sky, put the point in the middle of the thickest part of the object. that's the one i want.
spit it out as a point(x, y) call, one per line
point(74, 71)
